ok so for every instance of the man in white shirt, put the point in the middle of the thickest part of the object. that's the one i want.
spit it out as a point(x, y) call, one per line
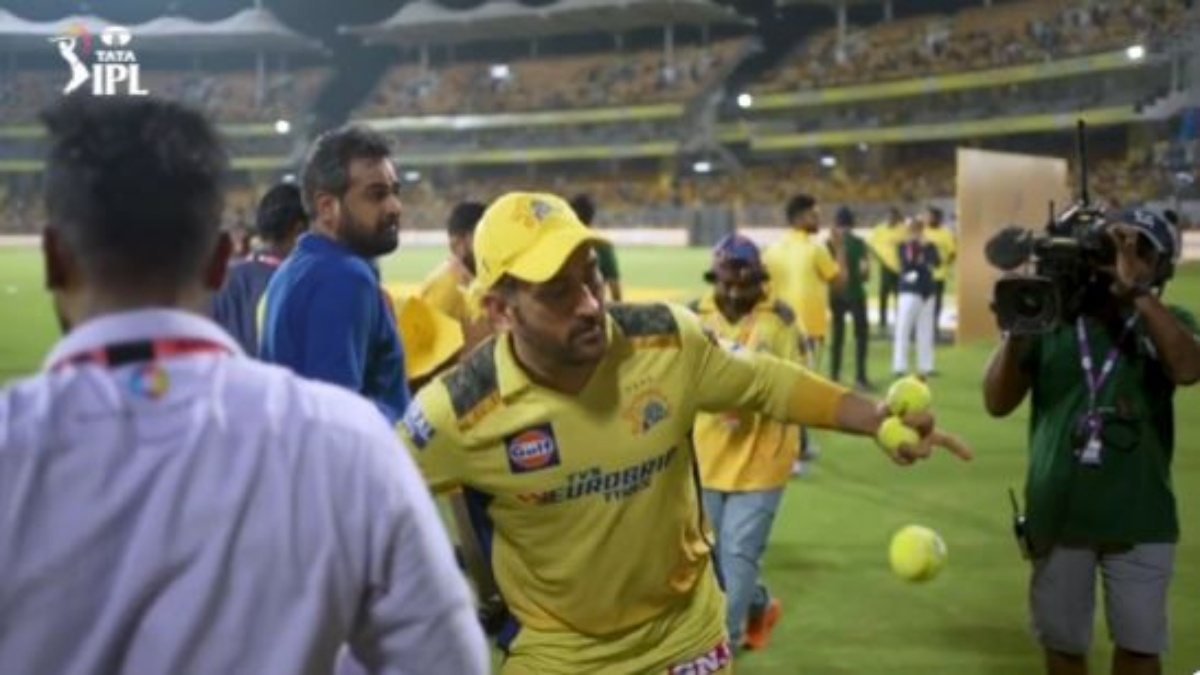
point(168, 505)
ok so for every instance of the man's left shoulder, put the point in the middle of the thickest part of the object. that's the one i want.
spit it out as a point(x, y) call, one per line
point(781, 313)
point(645, 320)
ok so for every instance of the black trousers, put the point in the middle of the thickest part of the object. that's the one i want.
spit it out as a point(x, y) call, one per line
point(857, 309)
point(889, 287)
point(939, 292)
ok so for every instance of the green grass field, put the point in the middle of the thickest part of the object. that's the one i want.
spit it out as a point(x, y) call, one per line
point(844, 611)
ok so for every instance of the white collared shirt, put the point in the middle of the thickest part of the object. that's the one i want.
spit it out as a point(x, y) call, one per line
point(214, 515)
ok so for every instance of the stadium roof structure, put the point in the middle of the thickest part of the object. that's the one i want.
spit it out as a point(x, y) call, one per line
point(424, 22)
point(250, 30)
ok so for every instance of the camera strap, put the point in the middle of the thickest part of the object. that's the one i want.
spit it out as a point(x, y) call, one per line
point(1090, 453)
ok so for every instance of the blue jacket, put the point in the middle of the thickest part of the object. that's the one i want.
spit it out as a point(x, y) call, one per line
point(327, 319)
point(235, 306)
point(918, 260)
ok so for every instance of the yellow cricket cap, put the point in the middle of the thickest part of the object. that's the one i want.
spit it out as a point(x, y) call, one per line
point(527, 235)
point(430, 337)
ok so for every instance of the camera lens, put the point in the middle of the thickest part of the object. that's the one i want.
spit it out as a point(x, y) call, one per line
point(1031, 303)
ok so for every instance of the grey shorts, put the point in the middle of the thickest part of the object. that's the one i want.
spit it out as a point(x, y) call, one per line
point(1062, 596)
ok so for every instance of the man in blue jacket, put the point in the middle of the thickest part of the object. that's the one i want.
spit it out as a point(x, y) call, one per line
point(326, 316)
point(279, 223)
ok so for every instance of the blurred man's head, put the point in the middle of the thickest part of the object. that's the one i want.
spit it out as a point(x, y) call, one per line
point(916, 227)
point(802, 213)
point(737, 275)
point(281, 218)
point(844, 218)
point(351, 191)
point(133, 194)
point(539, 273)
point(584, 207)
point(933, 216)
point(460, 228)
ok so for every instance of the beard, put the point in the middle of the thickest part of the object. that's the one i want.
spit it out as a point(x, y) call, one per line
point(369, 241)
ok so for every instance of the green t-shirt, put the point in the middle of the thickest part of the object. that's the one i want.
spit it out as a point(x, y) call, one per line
point(606, 260)
point(856, 253)
point(1127, 499)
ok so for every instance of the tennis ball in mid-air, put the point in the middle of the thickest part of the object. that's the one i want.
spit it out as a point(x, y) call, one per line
point(893, 433)
point(908, 395)
point(917, 553)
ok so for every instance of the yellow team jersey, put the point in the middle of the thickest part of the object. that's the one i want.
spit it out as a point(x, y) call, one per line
point(801, 268)
point(586, 504)
point(740, 451)
point(446, 290)
point(884, 241)
point(943, 239)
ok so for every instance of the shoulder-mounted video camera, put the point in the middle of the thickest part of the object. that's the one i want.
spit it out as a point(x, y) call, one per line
point(1066, 256)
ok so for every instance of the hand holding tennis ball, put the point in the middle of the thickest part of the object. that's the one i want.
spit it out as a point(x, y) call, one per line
point(909, 432)
point(908, 395)
point(893, 435)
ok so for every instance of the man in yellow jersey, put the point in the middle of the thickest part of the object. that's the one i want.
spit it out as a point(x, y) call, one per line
point(884, 241)
point(569, 433)
point(447, 286)
point(802, 271)
point(745, 459)
point(942, 238)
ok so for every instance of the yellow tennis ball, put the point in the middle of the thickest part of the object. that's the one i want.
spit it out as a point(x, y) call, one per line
point(893, 433)
point(917, 553)
point(908, 395)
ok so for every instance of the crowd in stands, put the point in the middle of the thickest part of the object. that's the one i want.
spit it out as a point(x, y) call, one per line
point(976, 38)
point(649, 198)
point(551, 83)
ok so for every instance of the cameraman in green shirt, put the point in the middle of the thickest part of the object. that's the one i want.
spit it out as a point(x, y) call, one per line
point(1101, 438)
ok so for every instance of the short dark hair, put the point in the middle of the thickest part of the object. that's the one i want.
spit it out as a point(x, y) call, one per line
point(464, 217)
point(278, 212)
point(327, 167)
point(936, 215)
point(135, 187)
point(584, 208)
point(799, 204)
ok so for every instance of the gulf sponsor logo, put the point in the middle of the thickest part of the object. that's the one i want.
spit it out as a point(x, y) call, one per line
point(533, 449)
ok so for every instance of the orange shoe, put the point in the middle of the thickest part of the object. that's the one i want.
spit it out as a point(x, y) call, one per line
point(758, 628)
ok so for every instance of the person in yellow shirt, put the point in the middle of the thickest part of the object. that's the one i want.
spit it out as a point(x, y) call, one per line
point(942, 238)
point(447, 288)
point(802, 271)
point(569, 433)
point(884, 240)
point(745, 459)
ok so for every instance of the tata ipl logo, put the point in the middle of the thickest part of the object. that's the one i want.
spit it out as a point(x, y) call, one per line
point(114, 69)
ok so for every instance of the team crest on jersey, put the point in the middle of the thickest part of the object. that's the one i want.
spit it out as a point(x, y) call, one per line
point(149, 381)
point(648, 409)
point(533, 449)
point(417, 425)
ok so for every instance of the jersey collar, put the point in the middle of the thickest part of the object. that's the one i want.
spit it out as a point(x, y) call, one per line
point(132, 326)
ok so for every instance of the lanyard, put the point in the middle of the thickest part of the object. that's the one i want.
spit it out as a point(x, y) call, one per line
point(125, 353)
point(1095, 380)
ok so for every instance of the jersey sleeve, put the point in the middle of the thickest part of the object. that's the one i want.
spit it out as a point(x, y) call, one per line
point(827, 267)
point(755, 382)
point(429, 431)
